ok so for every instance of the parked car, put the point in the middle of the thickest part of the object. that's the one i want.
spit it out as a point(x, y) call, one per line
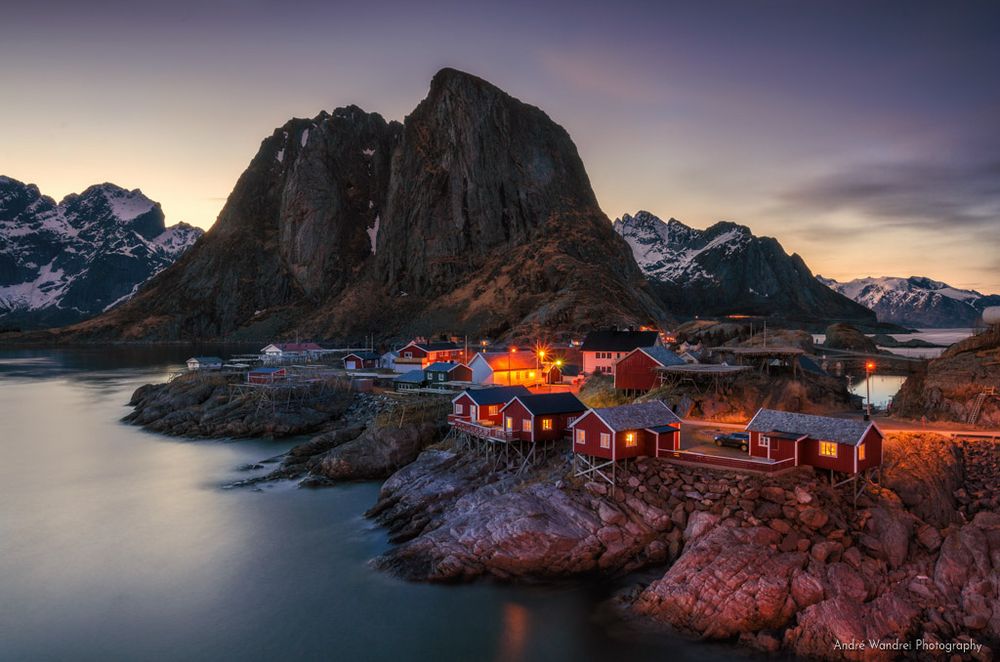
point(739, 440)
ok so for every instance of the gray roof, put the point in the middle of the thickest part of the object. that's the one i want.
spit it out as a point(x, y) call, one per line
point(821, 428)
point(664, 355)
point(496, 395)
point(367, 356)
point(411, 377)
point(442, 366)
point(633, 417)
point(541, 404)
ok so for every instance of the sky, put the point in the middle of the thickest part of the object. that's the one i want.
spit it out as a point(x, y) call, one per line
point(864, 136)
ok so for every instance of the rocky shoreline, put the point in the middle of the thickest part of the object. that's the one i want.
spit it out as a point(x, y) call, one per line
point(778, 563)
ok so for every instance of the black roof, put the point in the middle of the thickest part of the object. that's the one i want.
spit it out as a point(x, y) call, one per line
point(437, 346)
point(541, 404)
point(364, 355)
point(618, 341)
point(569, 370)
point(496, 395)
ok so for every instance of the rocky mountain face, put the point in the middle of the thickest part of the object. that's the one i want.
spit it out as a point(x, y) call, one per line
point(474, 216)
point(63, 262)
point(725, 269)
point(915, 301)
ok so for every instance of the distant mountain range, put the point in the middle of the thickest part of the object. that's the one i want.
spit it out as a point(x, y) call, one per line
point(726, 269)
point(915, 301)
point(67, 261)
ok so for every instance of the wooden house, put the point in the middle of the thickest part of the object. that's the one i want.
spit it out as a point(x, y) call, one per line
point(602, 349)
point(421, 354)
point(287, 352)
point(266, 375)
point(541, 416)
point(204, 363)
point(361, 361)
point(617, 433)
point(848, 446)
point(636, 371)
point(441, 372)
point(507, 368)
point(484, 404)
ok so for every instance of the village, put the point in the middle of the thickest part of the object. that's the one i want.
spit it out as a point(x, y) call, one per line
point(520, 405)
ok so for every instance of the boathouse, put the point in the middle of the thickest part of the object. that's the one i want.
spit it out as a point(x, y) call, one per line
point(204, 363)
point(266, 375)
point(602, 349)
point(843, 445)
point(483, 405)
point(441, 372)
point(636, 371)
point(604, 436)
point(541, 416)
point(410, 380)
point(361, 360)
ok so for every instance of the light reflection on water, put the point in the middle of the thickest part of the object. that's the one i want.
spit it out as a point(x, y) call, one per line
point(120, 544)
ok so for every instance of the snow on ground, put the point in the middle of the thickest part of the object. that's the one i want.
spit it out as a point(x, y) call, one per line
point(373, 233)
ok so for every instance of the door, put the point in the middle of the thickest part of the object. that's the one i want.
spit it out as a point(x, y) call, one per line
point(351, 365)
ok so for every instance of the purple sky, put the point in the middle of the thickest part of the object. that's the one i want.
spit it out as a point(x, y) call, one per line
point(865, 136)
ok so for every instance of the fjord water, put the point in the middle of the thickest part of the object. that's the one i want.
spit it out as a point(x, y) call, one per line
point(121, 544)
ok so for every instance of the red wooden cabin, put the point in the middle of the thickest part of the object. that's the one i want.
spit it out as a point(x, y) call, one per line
point(844, 445)
point(361, 360)
point(484, 404)
point(618, 433)
point(426, 353)
point(541, 417)
point(266, 375)
point(636, 371)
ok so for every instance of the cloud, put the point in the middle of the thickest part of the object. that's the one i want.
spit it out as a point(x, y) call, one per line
point(921, 195)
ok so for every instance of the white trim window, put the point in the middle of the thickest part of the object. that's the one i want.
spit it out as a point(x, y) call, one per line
point(828, 448)
point(459, 409)
point(581, 436)
point(510, 423)
point(525, 425)
point(605, 440)
point(764, 442)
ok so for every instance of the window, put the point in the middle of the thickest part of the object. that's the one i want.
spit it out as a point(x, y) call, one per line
point(765, 442)
point(526, 424)
point(459, 409)
point(828, 449)
point(408, 355)
point(546, 423)
point(510, 422)
point(531, 375)
point(630, 440)
point(494, 410)
point(581, 436)
point(605, 440)
point(861, 452)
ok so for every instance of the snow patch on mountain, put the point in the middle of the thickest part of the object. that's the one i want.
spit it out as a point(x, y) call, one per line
point(60, 262)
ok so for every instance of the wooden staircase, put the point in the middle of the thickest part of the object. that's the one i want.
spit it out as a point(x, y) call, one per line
point(977, 406)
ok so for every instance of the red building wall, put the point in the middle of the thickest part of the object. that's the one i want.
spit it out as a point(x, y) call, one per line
point(559, 422)
point(809, 454)
point(467, 404)
point(781, 449)
point(873, 449)
point(461, 373)
point(635, 372)
point(594, 426)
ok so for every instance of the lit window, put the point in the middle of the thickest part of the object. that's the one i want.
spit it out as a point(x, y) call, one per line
point(546, 423)
point(494, 410)
point(459, 409)
point(828, 449)
point(605, 440)
point(630, 440)
point(510, 422)
point(526, 424)
point(861, 452)
point(581, 436)
point(531, 375)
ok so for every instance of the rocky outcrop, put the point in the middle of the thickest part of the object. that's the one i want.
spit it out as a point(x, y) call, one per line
point(949, 387)
point(203, 405)
point(475, 216)
point(845, 336)
point(376, 453)
point(726, 269)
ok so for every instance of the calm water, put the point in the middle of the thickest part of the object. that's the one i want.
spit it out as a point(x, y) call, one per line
point(119, 544)
point(883, 388)
point(936, 336)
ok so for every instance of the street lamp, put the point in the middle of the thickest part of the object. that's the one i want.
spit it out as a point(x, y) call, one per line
point(512, 350)
point(869, 369)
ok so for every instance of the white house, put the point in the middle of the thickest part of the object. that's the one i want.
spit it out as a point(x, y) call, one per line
point(283, 352)
point(602, 349)
point(204, 363)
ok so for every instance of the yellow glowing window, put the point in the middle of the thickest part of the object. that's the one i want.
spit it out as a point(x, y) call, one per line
point(526, 424)
point(861, 452)
point(510, 422)
point(630, 440)
point(494, 410)
point(605, 440)
point(828, 449)
point(546, 423)
point(531, 375)
point(581, 436)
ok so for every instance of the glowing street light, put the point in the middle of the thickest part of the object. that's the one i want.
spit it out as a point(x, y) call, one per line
point(869, 369)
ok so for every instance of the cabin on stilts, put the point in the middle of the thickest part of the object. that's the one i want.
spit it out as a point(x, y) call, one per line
point(536, 423)
point(605, 438)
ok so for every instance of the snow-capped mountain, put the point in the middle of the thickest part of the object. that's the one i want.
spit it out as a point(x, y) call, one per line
point(915, 301)
point(725, 269)
point(63, 262)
